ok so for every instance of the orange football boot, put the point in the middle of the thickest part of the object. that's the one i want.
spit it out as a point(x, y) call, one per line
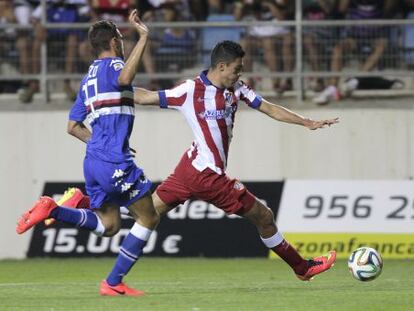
point(40, 211)
point(119, 290)
point(318, 265)
point(73, 197)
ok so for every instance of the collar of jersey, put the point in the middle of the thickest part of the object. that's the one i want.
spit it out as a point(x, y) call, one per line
point(101, 59)
point(206, 81)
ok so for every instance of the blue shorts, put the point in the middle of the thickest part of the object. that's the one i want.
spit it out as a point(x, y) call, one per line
point(118, 183)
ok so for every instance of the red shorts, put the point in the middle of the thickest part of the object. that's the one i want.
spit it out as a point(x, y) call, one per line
point(187, 182)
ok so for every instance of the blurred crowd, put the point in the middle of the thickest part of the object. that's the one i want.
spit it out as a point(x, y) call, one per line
point(175, 49)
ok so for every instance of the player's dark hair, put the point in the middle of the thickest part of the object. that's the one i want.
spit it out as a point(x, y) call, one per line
point(227, 52)
point(100, 35)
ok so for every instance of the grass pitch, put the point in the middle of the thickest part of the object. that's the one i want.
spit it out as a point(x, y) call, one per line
point(200, 284)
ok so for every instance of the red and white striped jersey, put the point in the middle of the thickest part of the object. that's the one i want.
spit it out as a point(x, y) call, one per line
point(210, 112)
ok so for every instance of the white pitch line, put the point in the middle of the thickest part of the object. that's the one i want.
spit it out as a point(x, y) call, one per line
point(43, 283)
point(80, 283)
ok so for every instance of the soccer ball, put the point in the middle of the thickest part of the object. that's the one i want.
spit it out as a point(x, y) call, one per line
point(365, 264)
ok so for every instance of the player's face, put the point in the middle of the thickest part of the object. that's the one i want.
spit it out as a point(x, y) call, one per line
point(231, 72)
point(119, 45)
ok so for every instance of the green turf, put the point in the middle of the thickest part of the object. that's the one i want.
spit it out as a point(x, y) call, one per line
point(200, 284)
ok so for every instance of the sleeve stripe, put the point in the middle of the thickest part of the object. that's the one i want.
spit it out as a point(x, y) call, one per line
point(256, 102)
point(166, 101)
point(177, 101)
point(163, 99)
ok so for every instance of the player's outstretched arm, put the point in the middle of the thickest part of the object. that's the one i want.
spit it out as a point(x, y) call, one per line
point(146, 97)
point(283, 114)
point(79, 130)
point(131, 66)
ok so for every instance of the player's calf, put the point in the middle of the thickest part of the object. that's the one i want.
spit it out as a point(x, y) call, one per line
point(46, 207)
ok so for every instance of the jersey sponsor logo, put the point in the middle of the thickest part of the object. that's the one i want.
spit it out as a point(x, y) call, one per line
point(217, 114)
point(118, 66)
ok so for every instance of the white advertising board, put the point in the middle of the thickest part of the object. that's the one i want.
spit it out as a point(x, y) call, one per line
point(347, 206)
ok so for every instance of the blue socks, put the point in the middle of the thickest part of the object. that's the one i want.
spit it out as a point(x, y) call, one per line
point(130, 249)
point(129, 252)
point(81, 218)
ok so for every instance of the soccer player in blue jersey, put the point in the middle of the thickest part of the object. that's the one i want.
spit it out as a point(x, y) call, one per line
point(106, 101)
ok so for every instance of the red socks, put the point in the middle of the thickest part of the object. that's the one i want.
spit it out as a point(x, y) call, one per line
point(285, 251)
point(291, 257)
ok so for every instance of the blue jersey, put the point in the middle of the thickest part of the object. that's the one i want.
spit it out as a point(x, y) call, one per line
point(109, 109)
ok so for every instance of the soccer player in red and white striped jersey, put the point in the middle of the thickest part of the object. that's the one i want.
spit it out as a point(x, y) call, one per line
point(209, 104)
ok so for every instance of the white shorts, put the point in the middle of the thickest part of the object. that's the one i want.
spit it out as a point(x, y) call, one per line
point(23, 14)
point(268, 31)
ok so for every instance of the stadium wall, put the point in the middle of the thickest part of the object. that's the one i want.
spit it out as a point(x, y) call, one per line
point(367, 144)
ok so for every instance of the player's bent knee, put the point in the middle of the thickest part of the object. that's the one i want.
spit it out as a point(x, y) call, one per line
point(110, 232)
point(112, 228)
point(261, 216)
point(159, 205)
point(265, 216)
point(151, 220)
point(162, 209)
point(269, 214)
point(155, 221)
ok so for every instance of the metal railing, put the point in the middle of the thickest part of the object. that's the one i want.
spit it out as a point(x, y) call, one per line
point(392, 62)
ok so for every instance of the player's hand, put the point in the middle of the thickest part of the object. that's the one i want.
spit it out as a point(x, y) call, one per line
point(135, 21)
point(314, 125)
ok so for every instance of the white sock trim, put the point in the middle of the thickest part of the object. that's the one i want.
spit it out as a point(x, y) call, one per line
point(125, 213)
point(140, 232)
point(123, 210)
point(274, 240)
point(100, 229)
